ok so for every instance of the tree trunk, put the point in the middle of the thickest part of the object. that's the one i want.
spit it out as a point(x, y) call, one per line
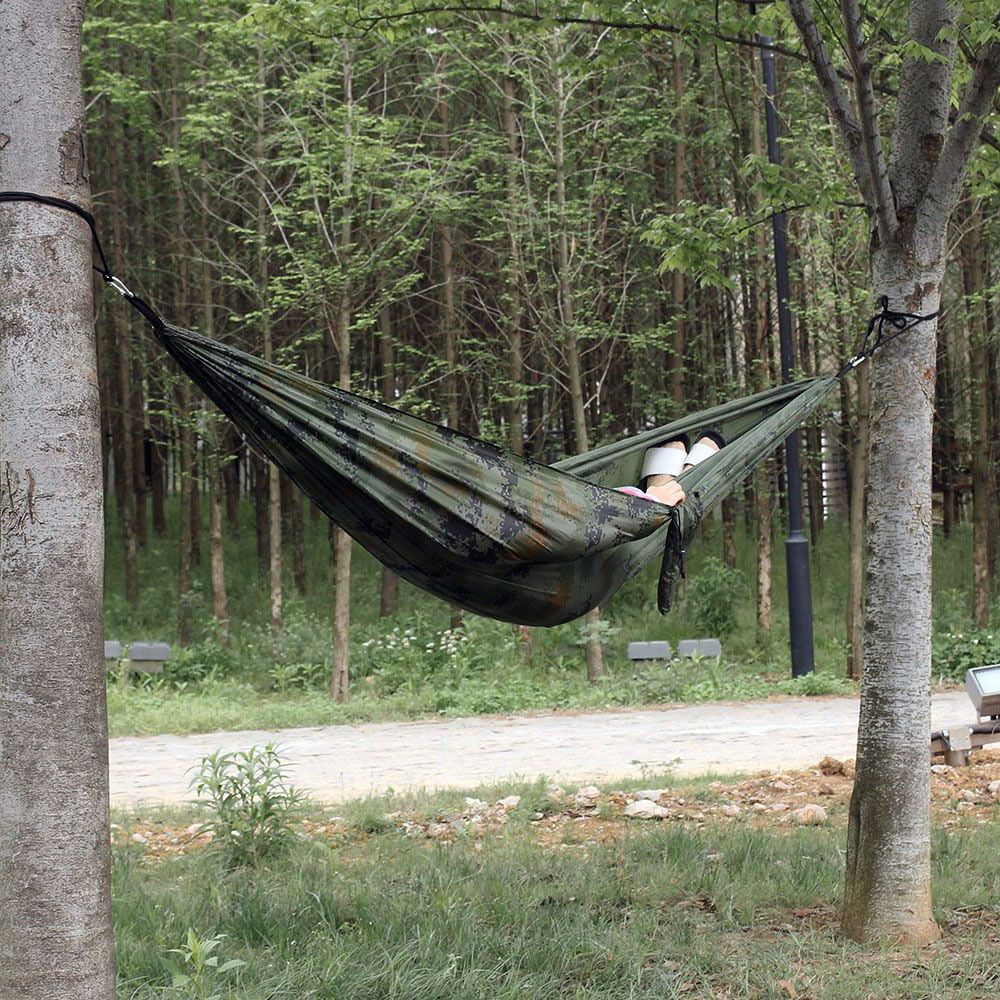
point(126, 511)
point(388, 599)
point(220, 599)
point(274, 476)
point(887, 891)
point(341, 547)
point(55, 907)
point(974, 280)
point(594, 652)
point(679, 349)
point(856, 546)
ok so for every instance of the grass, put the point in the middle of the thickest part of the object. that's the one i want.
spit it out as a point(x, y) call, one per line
point(662, 910)
point(410, 665)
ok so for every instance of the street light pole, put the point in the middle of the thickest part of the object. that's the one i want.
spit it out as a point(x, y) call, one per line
point(800, 624)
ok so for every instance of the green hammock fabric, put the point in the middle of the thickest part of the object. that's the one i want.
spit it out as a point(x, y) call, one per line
point(496, 534)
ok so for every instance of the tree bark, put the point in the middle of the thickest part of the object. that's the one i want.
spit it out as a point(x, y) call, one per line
point(888, 851)
point(55, 908)
point(341, 547)
point(126, 496)
point(263, 276)
point(593, 650)
point(856, 546)
point(974, 280)
point(388, 599)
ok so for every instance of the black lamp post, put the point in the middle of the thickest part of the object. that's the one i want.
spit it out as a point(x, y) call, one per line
point(800, 625)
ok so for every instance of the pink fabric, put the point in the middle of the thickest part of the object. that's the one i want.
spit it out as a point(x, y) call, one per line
point(634, 491)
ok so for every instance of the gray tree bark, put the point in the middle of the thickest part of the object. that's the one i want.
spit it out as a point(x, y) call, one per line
point(910, 198)
point(55, 913)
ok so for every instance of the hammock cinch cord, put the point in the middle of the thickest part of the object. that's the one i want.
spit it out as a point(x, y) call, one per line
point(492, 532)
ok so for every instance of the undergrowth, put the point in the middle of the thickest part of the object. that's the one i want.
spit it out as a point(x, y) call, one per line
point(416, 663)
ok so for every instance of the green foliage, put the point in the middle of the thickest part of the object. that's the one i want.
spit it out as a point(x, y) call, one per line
point(713, 596)
point(253, 807)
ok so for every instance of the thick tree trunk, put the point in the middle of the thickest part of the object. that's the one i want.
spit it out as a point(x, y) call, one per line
point(55, 908)
point(888, 861)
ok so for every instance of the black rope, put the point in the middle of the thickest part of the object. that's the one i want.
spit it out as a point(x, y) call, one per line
point(141, 306)
point(876, 336)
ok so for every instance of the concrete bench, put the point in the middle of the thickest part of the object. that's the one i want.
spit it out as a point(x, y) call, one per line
point(147, 657)
point(689, 648)
point(650, 651)
point(142, 657)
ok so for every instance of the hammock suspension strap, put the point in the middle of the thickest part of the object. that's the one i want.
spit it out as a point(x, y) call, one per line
point(104, 270)
point(875, 336)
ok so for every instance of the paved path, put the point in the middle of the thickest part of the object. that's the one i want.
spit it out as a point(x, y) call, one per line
point(339, 762)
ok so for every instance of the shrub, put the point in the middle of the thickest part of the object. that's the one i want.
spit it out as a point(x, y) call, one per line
point(713, 596)
point(254, 807)
point(956, 652)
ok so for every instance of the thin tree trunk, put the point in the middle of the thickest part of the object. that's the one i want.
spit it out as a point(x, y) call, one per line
point(974, 280)
point(263, 277)
point(758, 368)
point(126, 496)
point(215, 459)
point(340, 684)
point(856, 546)
point(56, 936)
point(593, 649)
point(220, 599)
point(678, 358)
point(388, 601)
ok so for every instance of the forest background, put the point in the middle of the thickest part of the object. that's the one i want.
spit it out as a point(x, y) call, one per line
point(545, 235)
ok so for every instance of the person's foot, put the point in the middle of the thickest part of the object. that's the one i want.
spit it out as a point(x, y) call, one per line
point(663, 486)
point(707, 445)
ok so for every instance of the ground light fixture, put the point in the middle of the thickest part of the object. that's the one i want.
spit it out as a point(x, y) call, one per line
point(955, 746)
point(983, 687)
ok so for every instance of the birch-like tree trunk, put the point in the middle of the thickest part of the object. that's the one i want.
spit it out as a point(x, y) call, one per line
point(911, 195)
point(55, 910)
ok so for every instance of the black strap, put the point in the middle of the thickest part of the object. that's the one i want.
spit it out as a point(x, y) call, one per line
point(141, 306)
point(876, 337)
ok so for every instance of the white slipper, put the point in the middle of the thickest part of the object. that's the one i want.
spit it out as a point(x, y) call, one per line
point(663, 462)
point(699, 453)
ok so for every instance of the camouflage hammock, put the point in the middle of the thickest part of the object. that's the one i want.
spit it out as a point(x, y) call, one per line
point(497, 534)
point(467, 521)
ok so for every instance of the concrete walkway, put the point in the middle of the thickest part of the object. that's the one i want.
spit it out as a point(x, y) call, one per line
point(340, 762)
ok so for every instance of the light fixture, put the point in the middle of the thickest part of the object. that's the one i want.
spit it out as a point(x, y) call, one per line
point(983, 686)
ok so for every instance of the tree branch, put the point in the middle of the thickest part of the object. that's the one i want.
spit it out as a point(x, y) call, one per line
point(977, 101)
point(864, 95)
point(836, 99)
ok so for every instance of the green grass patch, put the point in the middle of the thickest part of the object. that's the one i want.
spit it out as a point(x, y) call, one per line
point(665, 911)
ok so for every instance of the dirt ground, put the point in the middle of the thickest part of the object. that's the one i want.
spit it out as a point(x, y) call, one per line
point(566, 818)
